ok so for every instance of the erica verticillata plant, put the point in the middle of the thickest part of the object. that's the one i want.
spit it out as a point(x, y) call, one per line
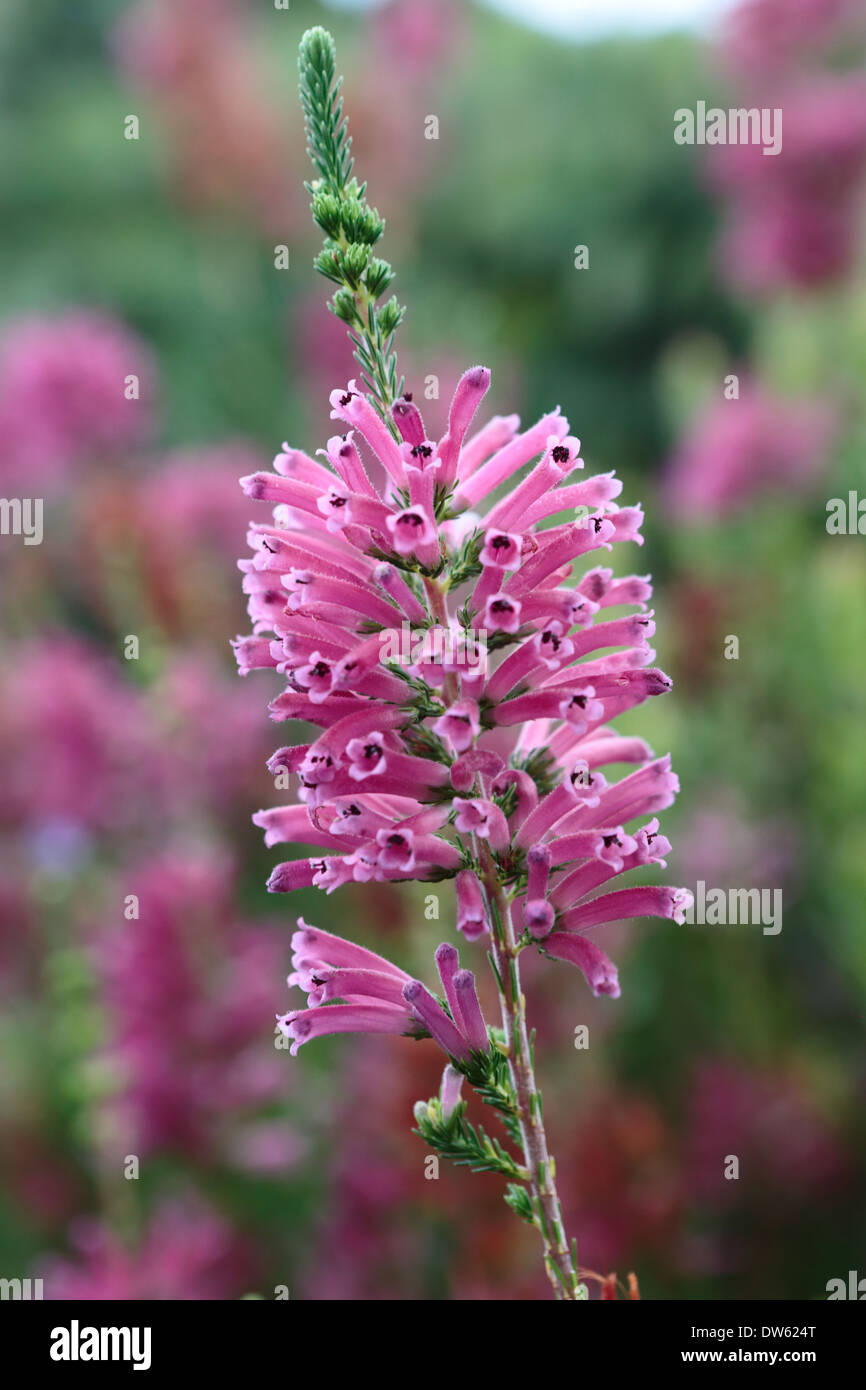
point(424, 601)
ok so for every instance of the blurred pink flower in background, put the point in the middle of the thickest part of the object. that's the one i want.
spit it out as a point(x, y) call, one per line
point(417, 34)
point(795, 217)
point(189, 510)
point(226, 142)
point(200, 728)
point(63, 395)
point(738, 450)
point(410, 48)
point(770, 1120)
point(624, 1172)
point(184, 516)
point(188, 993)
point(725, 845)
point(88, 755)
point(767, 36)
point(187, 1252)
point(72, 746)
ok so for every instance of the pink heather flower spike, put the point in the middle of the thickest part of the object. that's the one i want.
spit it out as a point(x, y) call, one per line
point(487, 751)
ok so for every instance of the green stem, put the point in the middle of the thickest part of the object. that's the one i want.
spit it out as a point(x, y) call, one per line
point(539, 1163)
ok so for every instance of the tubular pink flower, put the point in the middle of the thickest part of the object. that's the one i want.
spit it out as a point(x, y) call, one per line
point(471, 389)
point(594, 493)
point(538, 862)
point(651, 901)
point(413, 533)
point(471, 911)
point(313, 947)
point(348, 984)
point(560, 456)
point(459, 726)
point(436, 1021)
point(579, 708)
point(252, 654)
point(449, 1091)
point(472, 1023)
point(499, 431)
point(288, 877)
point(342, 453)
point(286, 824)
point(575, 884)
point(409, 421)
point(548, 650)
point(295, 464)
point(482, 763)
point(578, 788)
point(354, 408)
point(388, 579)
point(557, 550)
point(377, 997)
point(509, 459)
point(599, 971)
point(538, 917)
point(602, 749)
point(484, 819)
point(502, 614)
point(448, 963)
point(301, 1025)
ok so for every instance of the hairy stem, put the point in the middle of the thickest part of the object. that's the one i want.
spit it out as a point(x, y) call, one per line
point(539, 1163)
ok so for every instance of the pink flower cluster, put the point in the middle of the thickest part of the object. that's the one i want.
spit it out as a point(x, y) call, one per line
point(187, 1252)
point(185, 989)
point(65, 396)
point(772, 36)
point(224, 146)
point(484, 763)
point(738, 450)
point(92, 757)
point(380, 998)
point(795, 218)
